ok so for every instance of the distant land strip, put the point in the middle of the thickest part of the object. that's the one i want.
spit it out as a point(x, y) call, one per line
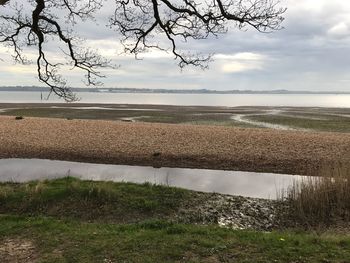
point(169, 91)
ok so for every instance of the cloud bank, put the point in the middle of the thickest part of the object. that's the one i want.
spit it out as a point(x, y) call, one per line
point(312, 52)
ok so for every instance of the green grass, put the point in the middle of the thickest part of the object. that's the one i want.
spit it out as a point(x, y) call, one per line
point(159, 241)
point(188, 116)
point(334, 124)
point(303, 118)
point(75, 113)
point(68, 220)
point(86, 200)
point(226, 123)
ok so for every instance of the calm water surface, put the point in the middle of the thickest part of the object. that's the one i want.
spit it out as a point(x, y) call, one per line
point(248, 184)
point(231, 100)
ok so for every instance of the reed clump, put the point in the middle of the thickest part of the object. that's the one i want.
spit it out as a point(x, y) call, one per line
point(322, 201)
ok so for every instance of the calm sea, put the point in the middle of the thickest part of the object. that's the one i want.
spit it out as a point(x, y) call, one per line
point(231, 100)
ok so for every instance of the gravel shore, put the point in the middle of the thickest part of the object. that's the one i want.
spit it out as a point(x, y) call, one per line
point(154, 144)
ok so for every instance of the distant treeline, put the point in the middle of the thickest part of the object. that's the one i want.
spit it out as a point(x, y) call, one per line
point(169, 91)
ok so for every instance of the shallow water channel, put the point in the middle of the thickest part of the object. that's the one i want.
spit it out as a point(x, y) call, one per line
point(248, 184)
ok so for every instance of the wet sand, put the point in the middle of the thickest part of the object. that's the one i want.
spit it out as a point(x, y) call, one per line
point(173, 145)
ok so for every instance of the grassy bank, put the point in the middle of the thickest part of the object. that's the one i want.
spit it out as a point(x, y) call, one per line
point(52, 240)
point(92, 201)
point(68, 220)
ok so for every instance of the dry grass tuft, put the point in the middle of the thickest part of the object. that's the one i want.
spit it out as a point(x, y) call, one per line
point(322, 201)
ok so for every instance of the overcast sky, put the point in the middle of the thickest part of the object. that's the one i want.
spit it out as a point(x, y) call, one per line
point(312, 52)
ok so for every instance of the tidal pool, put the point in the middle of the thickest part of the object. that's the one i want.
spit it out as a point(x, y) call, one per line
point(248, 184)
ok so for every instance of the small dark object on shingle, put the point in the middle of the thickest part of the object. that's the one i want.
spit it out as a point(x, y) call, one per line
point(156, 154)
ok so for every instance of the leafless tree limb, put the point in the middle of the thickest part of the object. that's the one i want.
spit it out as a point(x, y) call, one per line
point(140, 20)
point(143, 25)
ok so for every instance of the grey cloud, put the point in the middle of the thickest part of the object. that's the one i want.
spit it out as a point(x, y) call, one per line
point(311, 53)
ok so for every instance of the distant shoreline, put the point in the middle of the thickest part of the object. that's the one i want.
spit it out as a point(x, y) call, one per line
point(171, 91)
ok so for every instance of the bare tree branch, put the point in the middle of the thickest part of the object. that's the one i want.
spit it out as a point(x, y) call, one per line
point(142, 24)
point(3, 2)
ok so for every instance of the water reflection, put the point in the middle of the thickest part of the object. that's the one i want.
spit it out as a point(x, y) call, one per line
point(230, 100)
point(249, 184)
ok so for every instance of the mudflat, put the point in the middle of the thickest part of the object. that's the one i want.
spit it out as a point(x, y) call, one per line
point(173, 145)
